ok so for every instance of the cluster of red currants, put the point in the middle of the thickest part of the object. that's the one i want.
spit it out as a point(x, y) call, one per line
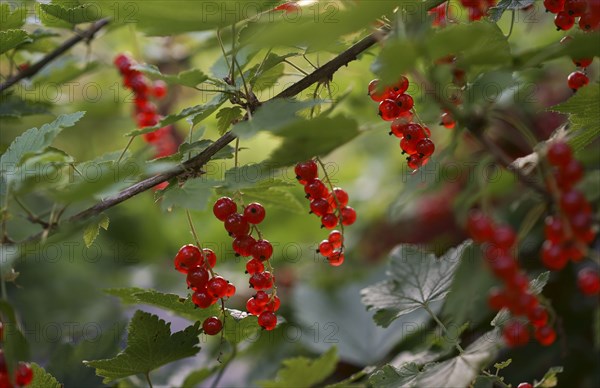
point(569, 230)
point(23, 375)
point(331, 206)
point(207, 287)
point(395, 105)
point(240, 226)
point(500, 241)
point(476, 10)
point(567, 12)
point(146, 113)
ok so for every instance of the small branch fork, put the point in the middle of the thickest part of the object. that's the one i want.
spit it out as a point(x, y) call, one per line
point(86, 36)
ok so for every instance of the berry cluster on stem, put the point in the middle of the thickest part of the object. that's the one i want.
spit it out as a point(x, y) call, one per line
point(499, 243)
point(240, 227)
point(584, 13)
point(396, 105)
point(328, 203)
point(197, 264)
point(23, 374)
point(476, 10)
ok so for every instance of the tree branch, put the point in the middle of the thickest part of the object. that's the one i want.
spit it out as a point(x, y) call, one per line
point(60, 50)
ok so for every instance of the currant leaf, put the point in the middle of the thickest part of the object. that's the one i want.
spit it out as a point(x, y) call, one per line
point(42, 379)
point(495, 13)
point(10, 39)
point(92, 230)
point(583, 115)
point(150, 345)
point(416, 279)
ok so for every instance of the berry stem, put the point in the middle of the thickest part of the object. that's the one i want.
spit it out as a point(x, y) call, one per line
point(224, 366)
point(147, 374)
point(125, 149)
point(295, 67)
point(335, 198)
point(223, 49)
point(197, 240)
point(442, 326)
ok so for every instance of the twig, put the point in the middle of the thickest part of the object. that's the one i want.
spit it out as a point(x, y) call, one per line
point(60, 50)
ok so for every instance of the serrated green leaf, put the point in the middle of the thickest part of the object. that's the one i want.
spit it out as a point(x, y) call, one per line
point(190, 77)
point(584, 116)
point(268, 78)
point(416, 278)
point(91, 231)
point(495, 13)
point(272, 116)
point(127, 295)
point(302, 372)
point(550, 379)
point(318, 137)
point(42, 379)
point(582, 45)
point(11, 19)
point(226, 116)
point(13, 106)
point(10, 39)
point(193, 194)
point(55, 15)
point(458, 371)
point(150, 345)
point(503, 364)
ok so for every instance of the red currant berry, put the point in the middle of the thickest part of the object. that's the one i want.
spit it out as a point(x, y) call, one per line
point(497, 299)
point(525, 385)
point(524, 303)
point(261, 280)
point(217, 287)
point(399, 87)
point(159, 89)
point(545, 335)
point(341, 195)
point(589, 22)
point(336, 238)
point(425, 148)
point(405, 102)
point(197, 278)
point(415, 161)
point(254, 266)
point(273, 305)
point(448, 121)
point(123, 63)
point(515, 334)
point(414, 132)
point(563, 21)
point(242, 245)
point(580, 222)
point(503, 266)
point(575, 8)
point(23, 374)
point(267, 320)
point(572, 201)
point(262, 250)
point(573, 252)
point(316, 189)
point(588, 281)
point(306, 171)
point(224, 207)
point(325, 248)
point(397, 128)
point(347, 216)
point(253, 307)
point(577, 80)
point(209, 257)
point(237, 225)
point(375, 96)
point(553, 229)
point(203, 299)
point(583, 62)
point(254, 213)
point(389, 110)
point(336, 259)
point(504, 237)
point(262, 298)
point(519, 282)
point(553, 256)
point(212, 325)
point(329, 221)
point(569, 174)
point(189, 256)
point(554, 6)
point(230, 290)
point(320, 207)
point(538, 316)
point(480, 226)
point(559, 153)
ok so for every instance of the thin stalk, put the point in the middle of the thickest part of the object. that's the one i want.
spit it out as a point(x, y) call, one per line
point(442, 326)
point(125, 149)
point(295, 67)
point(147, 374)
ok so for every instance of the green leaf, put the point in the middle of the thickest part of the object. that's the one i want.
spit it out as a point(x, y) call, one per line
point(584, 116)
point(488, 381)
point(193, 194)
point(458, 371)
point(272, 116)
point(302, 372)
point(268, 79)
point(471, 281)
point(11, 19)
point(495, 13)
point(150, 345)
point(14, 343)
point(549, 380)
point(55, 15)
point(190, 77)
point(13, 106)
point(226, 117)
point(582, 45)
point(503, 364)
point(318, 137)
point(394, 59)
point(91, 231)
point(416, 279)
point(196, 377)
point(10, 39)
point(42, 379)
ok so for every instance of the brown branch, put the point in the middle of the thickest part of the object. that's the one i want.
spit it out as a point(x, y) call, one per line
point(60, 50)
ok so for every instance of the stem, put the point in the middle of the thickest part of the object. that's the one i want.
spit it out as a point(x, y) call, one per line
point(442, 326)
point(197, 240)
point(225, 365)
point(126, 148)
point(235, 156)
point(335, 198)
point(295, 67)
point(147, 374)
point(223, 49)
point(512, 23)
